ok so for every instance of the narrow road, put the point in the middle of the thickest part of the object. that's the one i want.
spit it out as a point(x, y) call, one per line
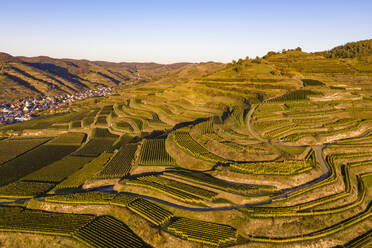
point(250, 114)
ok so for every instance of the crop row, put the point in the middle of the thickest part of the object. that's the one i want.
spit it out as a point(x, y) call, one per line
point(32, 161)
point(59, 170)
point(95, 147)
point(340, 122)
point(153, 153)
point(313, 113)
point(296, 95)
point(123, 126)
point(320, 233)
point(303, 209)
point(205, 127)
point(239, 115)
point(331, 178)
point(290, 128)
point(205, 179)
point(187, 143)
point(248, 149)
point(89, 170)
point(190, 229)
point(36, 221)
point(311, 120)
point(287, 167)
point(189, 189)
point(150, 211)
point(106, 232)
point(174, 193)
point(103, 133)
point(266, 125)
point(121, 164)
point(367, 138)
point(22, 189)
point(269, 108)
point(71, 138)
point(11, 148)
point(364, 240)
point(298, 136)
point(203, 232)
point(82, 198)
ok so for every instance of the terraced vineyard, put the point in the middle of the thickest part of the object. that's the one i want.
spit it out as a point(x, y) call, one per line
point(153, 153)
point(266, 152)
point(121, 164)
point(204, 232)
point(106, 231)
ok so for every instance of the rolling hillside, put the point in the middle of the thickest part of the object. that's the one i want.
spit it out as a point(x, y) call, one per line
point(23, 76)
point(266, 152)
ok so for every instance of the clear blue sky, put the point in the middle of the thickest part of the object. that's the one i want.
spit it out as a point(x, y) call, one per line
point(178, 30)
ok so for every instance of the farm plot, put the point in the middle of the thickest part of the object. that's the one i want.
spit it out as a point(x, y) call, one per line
point(75, 125)
point(189, 189)
point(106, 231)
point(123, 126)
point(34, 221)
point(82, 198)
point(68, 139)
point(103, 133)
point(207, 180)
point(89, 170)
point(59, 170)
point(153, 153)
point(172, 192)
point(95, 147)
point(122, 200)
point(297, 136)
point(60, 126)
point(296, 95)
point(11, 148)
point(203, 232)
point(187, 143)
point(22, 189)
point(287, 167)
point(121, 164)
point(150, 211)
point(32, 161)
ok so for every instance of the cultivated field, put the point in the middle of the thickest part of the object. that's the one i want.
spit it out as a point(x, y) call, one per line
point(270, 152)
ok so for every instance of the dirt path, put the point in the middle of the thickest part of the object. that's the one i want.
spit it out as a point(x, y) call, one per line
point(249, 120)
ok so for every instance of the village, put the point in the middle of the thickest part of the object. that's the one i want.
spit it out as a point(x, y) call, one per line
point(26, 109)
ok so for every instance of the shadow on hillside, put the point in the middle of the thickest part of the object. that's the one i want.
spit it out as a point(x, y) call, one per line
point(22, 82)
point(58, 71)
point(189, 123)
point(50, 85)
point(108, 77)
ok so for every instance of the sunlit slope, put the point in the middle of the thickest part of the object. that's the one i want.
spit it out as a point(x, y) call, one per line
point(37, 76)
point(266, 152)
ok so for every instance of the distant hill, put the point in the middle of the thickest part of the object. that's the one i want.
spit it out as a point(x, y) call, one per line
point(351, 50)
point(35, 76)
